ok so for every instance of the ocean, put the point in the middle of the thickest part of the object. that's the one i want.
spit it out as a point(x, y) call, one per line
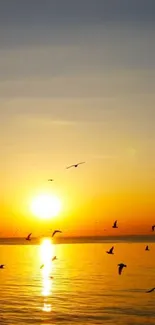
point(81, 286)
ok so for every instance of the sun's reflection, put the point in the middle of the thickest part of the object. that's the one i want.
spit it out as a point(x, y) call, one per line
point(46, 254)
point(47, 307)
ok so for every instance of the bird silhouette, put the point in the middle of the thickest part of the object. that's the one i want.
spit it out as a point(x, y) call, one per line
point(50, 180)
point(153, 227)
point(150, 290)
point(54, 258)
point(110, 250)
point(147, 248)
point(55, 231)
point(75, 165)
point(115, 224)
point(28, 237)
point(121, 266)
point(2, 266)
point(42, 266)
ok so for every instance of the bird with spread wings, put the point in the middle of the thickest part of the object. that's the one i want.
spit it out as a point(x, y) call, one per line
point(56, 231)
point(75, 165)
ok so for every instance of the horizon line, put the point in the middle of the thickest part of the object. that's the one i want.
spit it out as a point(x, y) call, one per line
point(90, 236)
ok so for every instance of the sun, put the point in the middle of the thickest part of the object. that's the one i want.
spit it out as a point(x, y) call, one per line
point(46, 206)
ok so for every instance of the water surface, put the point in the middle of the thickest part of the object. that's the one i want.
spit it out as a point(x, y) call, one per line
point(85, 289)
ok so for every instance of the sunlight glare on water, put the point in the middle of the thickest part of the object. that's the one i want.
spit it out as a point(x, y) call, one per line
point(46, 254)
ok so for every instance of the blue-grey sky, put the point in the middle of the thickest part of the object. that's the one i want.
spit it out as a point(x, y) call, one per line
point(78, 77)
point(93, 39)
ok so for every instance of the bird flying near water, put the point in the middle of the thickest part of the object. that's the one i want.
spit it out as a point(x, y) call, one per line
point(147, 248)
point(28, 237)
point(115, 225)
point(50, 180)
point(110, 250)
point(54, 258)
point(153, 227)
point(2, 266)
point(121, 266)
point(55, 231)
point(75, 165)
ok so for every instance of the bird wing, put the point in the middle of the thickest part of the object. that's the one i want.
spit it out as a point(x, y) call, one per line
point(53, 233)
point(150, 290)
point(70, 166)
point(111, 249)
point(29, 235)
point(115, 223)
point(83, 162)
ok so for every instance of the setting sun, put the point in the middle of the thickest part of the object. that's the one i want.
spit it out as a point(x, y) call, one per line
point(45, 206)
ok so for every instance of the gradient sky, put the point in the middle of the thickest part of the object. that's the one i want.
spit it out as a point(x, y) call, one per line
point(77, 82)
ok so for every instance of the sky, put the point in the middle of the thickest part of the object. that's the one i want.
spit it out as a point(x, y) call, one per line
point(77, 82)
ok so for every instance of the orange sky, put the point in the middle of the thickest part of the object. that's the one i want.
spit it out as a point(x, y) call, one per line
point(77, 90)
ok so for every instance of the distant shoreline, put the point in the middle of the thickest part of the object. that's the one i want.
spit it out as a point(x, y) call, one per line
point(82, 239)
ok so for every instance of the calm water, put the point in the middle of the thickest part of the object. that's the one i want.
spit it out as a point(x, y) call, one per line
point(86, 288)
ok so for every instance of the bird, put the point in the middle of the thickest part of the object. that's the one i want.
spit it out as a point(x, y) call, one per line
point(151, 290)
point(28, 237)
point(75, 165)
point(50, 180)
point(54, 258)
point(42, 266)
point(115, 224)
point(121, 266)
point(2, 266)
point(55, 231)
point(147, 248)
point(110, 250)
point(153, 227)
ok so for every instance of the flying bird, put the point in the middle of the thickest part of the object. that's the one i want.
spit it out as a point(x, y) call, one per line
point(115, 224)
point(54, 258)
point(50, 180)
point(2, 266)
point(42, 266)
point(55, 231)
point(147, 248)
point(28, 237)
point(150, 290)
point(153, 227)
point(121, 266)
point(110, 250)
point(75, 165)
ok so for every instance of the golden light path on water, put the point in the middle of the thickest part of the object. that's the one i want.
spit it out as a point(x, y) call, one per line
point(46, 254)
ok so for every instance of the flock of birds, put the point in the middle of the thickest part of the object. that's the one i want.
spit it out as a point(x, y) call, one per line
point(121, 266)
point(28, 238)
point(54, 232)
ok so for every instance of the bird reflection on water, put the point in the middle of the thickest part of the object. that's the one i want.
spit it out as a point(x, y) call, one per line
point(46, 253)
